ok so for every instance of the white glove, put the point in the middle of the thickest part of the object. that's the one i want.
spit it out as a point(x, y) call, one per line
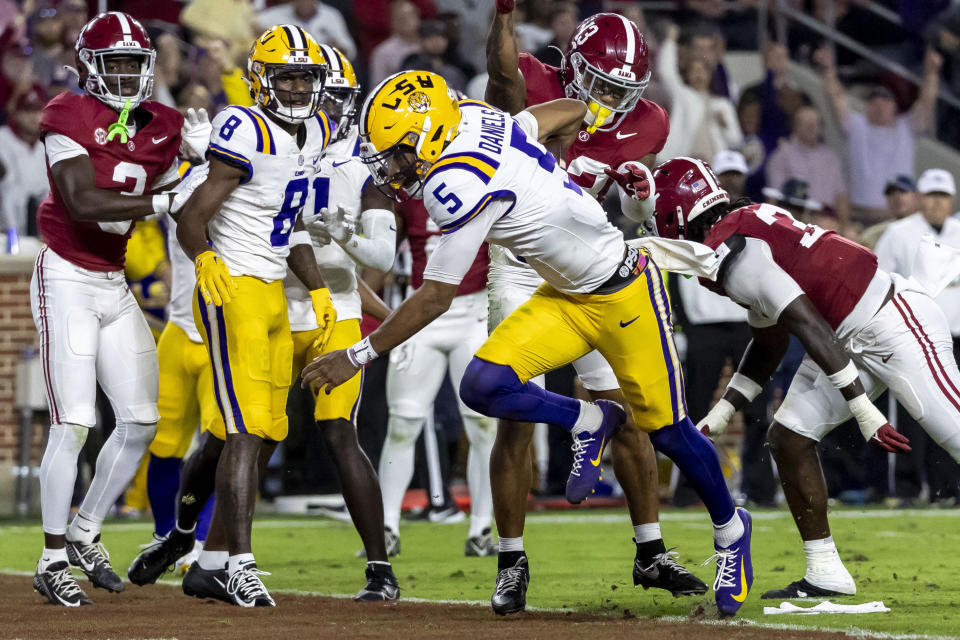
point(319, 234)
point(716, 421)
point(340, 223)
point(195, 133)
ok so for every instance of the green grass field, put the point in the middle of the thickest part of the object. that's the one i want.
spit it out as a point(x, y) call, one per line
point(581, 560)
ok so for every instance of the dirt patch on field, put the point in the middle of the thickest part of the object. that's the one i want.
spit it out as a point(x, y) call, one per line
point(164, 612)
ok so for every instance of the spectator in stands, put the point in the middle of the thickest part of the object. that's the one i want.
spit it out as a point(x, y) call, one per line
point(231, 21)
point(563, 23)
point(706, 43)
point(896, 252)
point(454, 32)
point(731, 169)
point(880, 142)
point(16, 68)
point(23, 169)
point(322, 21)
point(902, 200)
point(534, 28)
point(403, 41)
point(431, 57)
point(474, 23)
point(700, 124)
point(374, 22)
point(794, 196)
point(45, 29)
point(805, 156)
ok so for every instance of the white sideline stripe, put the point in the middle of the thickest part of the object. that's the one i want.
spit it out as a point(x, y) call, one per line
point(560, 518)
point(851, 632)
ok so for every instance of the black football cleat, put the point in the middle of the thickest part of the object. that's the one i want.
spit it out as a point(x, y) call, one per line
point(159, 556)
point(800, 589)
point(664, 572)
point(381, 584)
point(510, 595)
point(94, 561)
point(206, 583)
point(58, 586)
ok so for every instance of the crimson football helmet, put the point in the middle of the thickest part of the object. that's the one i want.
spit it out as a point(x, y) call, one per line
point(606, 57)
point(686, 187)
point(115, 34)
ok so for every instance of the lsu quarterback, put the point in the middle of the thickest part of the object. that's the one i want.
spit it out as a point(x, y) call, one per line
point(263, 163)
point(484, 175)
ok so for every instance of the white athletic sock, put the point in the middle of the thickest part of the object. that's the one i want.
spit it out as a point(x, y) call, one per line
point(234, 563)
point(116, 465)
point(84, 528)
point(728, 533)
point(58, 474)
point(396, 466)
point(213, 560)
point(52, 555)
point(511, 544)
point(824, 567)
point(481, 432)
point(647, 532)
point(589, 419)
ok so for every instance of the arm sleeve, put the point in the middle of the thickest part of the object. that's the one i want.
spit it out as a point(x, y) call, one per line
point(456, 251)
point(375, 249)
point(235, 138)
point(638, 210)
point(756, 281)
point(60, 147)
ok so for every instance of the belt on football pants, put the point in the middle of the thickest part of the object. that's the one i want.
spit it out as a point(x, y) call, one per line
point(627, 271)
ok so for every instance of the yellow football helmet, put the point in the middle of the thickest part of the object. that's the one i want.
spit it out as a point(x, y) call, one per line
point(340, 91)
point(283, 49)
point(406, 123)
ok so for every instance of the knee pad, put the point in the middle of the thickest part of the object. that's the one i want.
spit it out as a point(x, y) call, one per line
point(483, 382)
point(403, 432)
point(67, 440)
point(136, 432)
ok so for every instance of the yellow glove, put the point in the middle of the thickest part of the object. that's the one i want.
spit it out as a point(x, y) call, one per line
point(326, 316)
point(214, 279)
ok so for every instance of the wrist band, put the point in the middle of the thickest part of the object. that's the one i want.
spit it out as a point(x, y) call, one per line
point(845, 376)
point(868, 417)
point(299, 237)
point(746, 386)
point(361, 353)
point(161, 203)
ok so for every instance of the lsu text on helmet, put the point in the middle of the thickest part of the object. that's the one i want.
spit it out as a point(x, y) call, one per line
point(340, 90)
point(280, 51)
point(606, 66)
point(686, 187)
point(115, 60)
point(405, 124)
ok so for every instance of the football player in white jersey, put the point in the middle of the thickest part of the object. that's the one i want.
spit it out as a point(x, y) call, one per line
point(486, 176)
point(263, 163)
point(343, 200)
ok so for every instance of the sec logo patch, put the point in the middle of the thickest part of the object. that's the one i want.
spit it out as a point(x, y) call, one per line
point(100, 135)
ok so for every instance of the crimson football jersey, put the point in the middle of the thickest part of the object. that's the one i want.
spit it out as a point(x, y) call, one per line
point(641, 131)
point(131, 168)
point(833, 271)
point(423, 235)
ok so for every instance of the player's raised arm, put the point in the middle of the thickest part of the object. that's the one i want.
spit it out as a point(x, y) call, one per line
point(506, 88)
point(76, 181)
point(557, 120)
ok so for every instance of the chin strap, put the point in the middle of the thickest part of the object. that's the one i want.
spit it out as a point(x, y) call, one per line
point(120, 126)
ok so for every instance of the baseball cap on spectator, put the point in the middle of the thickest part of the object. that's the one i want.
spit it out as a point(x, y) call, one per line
point(728, 160)
point(936, 181)
point(901, 182)
point(433, 28)
point(880, 91)
point(794, 192)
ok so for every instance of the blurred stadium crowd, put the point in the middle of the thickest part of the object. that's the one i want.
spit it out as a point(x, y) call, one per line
point(766, 141)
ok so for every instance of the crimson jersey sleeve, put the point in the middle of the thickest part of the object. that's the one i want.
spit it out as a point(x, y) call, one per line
point(833, 271)
point(130, 168)
point(542, 80)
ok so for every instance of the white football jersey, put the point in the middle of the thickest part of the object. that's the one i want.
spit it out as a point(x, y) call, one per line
point(495, 182)
point(342, 178)
point(251, 232)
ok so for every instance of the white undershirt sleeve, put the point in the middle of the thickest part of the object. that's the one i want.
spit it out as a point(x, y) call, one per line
point(377, 247)
point(171, 175)
point(60, 147)
point(755, 280)
point(456, 251)
point(528, 122)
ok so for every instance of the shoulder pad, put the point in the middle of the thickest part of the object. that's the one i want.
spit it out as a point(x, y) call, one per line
point(242, 130)
point(727, 254)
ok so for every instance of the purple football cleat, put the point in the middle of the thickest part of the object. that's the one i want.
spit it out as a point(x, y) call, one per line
point(588, 449)
point(734, 570)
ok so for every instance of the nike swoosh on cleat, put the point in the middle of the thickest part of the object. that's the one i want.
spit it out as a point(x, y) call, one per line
point(740, 597)
point(628, 322)
point(159, 140)
point(596, 462)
